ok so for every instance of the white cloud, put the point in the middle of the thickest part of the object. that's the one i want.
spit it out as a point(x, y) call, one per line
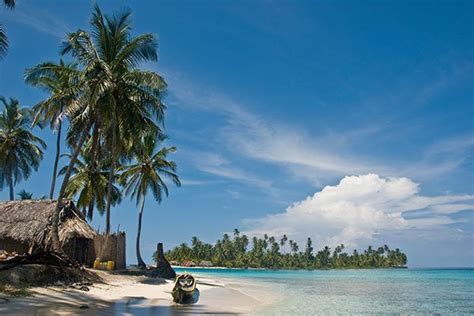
point(359, 208)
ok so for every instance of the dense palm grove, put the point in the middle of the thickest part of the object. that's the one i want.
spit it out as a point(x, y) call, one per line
point(106, 109)
point(268, 252)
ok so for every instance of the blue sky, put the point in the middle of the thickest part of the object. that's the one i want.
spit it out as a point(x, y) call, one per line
point(345, 122)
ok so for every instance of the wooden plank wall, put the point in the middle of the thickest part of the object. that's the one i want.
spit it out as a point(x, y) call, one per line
point(111, 248)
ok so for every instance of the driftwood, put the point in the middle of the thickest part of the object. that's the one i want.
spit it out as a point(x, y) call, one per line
point(46, 268)
point(47, 258)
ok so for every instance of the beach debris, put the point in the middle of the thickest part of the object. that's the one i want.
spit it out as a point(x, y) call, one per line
point(184, 290)
point(6, 255)
point(84, 306)
point(50, 258)
point(83, 286)
point(103, 265)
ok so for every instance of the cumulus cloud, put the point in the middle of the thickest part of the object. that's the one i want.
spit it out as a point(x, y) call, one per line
point(359, 208)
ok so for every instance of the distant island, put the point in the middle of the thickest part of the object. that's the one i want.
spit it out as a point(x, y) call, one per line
point(268, 252)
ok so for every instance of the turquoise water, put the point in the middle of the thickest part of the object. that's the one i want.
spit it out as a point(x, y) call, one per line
point(381, 291)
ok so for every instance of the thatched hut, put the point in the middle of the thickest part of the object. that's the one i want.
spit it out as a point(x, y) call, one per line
point(25, 227)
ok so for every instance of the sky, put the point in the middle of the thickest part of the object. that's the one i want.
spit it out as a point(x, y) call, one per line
point(346, 122)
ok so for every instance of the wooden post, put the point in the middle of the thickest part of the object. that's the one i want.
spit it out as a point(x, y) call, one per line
point(160, 255)
point(163, 267)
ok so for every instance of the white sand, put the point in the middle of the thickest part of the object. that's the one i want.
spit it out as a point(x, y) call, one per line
point(131, 295)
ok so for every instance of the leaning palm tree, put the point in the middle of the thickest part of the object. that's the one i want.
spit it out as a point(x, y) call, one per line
point(63, 83)
point(146, 174)
point(122, 102)
point(89, 183)
point(20, 149)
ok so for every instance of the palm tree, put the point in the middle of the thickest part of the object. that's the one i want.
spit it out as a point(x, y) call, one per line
point(62, 82)
point(117, 101)
point(20, 149)
point(283, 242)
point(25, 195)
point(90, 182)
point(146, 175)
point(10, 4)
point(125, 99)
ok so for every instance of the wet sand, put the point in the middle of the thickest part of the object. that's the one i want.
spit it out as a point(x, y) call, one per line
point(132, 295)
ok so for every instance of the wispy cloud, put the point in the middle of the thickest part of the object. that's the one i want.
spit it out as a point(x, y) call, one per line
point(316, 158)
point(36, 18)
point(217, 165)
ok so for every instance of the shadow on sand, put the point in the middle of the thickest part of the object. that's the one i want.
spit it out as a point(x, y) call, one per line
point(61, 302)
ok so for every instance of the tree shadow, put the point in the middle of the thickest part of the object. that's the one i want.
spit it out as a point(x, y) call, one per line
point(72, 302)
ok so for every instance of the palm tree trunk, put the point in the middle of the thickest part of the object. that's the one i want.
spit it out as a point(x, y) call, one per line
point(111, 179)
point(95, 159)
point(140, 261)
point(55, 223)
point(56, 161)
point(10, 186)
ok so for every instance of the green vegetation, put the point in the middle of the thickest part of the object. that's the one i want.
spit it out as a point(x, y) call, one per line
point(113, 115)
point(20, 150)
point(265, 253)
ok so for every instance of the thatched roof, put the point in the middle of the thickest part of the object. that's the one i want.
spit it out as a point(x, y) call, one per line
point(30, 221)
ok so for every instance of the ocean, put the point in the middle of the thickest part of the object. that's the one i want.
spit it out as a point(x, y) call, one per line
point(377, 291)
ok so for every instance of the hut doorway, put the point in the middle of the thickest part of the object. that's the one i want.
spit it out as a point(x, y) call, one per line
point(78, 249)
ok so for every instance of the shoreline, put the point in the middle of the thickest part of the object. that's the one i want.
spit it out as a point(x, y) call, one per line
point(137, 295)
point(325, 269)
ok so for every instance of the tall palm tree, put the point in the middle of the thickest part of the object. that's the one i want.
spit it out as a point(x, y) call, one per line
point(146, 174)
point(20, 149)
point(63, 82)
point(117, 101)
point(126, 100)
point(89, 182)
point(10, 4)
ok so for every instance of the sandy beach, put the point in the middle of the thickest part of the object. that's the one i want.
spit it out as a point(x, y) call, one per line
point(135, 295)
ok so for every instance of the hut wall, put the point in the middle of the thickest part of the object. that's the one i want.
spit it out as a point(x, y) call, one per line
point(111, 248)
point(10, 245)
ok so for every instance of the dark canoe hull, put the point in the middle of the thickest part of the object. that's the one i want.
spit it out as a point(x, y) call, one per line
point(185, 297)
